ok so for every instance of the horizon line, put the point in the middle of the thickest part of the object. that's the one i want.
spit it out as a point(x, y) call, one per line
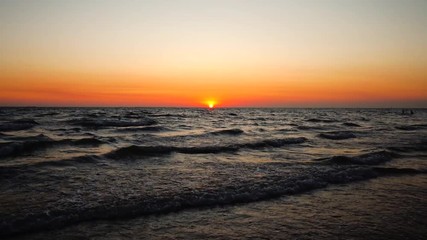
point(248, 107)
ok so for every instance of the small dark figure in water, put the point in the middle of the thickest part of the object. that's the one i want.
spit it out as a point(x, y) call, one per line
point(409, 112)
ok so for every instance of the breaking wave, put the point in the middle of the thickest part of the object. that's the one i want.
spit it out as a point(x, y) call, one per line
point(234, 131)
point(244, 192)
point(411, 127)
point(385, 171)
point(317, 120)
point(339, 135)
point(17, 125)
point(161, 150)
point(372, 158)
point(304, 127)
point(96, 123)
point(191, 198)
point(7, 172)
point(41, 142)
point(350, 124)
point(418, 146)
point(143, 129)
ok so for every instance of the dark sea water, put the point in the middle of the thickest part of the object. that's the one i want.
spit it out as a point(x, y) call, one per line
point(171, 173)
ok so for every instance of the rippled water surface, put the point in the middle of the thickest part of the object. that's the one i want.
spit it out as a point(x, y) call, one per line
point(301, 173)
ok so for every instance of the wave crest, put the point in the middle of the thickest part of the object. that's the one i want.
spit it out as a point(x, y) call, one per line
point(160, 150)
point(180, 199)
point(17, 125)
point(372, 158)
point(28, 145)
point(338, 135)
point(233, 131)
point(96, 123)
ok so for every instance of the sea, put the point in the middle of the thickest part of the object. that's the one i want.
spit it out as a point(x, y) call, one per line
point(226, 173)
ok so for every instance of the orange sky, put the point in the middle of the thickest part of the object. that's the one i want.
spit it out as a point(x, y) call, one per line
point(237, 53)
point(322, 88)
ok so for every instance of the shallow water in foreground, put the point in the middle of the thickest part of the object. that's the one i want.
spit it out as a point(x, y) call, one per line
point(386, 208)
point(125, 172)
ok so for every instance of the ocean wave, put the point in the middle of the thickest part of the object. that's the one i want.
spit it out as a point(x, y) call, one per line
point(84, 141)
point(280, 130)
point(17, 125)
point(122, 207)
point(96, 115)
point(63, 131)
point(372, 158)
point(233, 131)
point(385, 171)
point(72, 211)
point(9, 149)
point(10, 171)
point(166, 115)
point(96, 123)
point(162, 150)
point(350, 124)
point(304, 127)
point(29, 145)
point(417, 146)
point(75, 208)
point(4, 135)
point(132, 115)
point(143, 129)
point(411, 127)
point(317, 120)
point(338, 135)
point(46, 114)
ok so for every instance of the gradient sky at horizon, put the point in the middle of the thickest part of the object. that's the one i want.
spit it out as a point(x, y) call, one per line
point(318, 53)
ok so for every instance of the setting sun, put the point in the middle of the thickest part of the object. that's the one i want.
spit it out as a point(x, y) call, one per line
point(211, 104)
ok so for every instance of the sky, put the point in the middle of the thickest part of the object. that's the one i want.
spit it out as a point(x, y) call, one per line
point(236, 53)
